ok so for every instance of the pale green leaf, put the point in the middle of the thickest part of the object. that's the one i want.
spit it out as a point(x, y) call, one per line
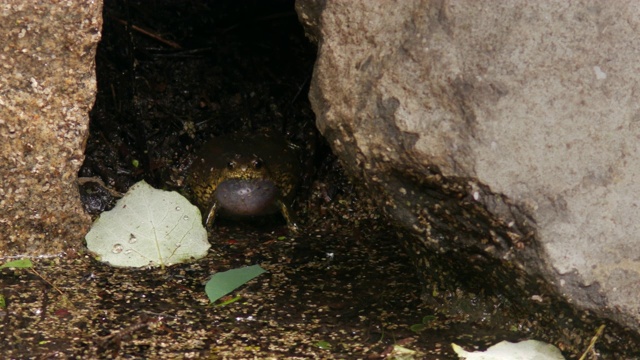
point(524, 350)
point(149, 227)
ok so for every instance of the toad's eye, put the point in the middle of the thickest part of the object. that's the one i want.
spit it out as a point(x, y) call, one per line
point(257, 164)
point(231, 165)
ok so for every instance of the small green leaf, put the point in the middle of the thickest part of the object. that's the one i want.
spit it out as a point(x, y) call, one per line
point(135, 163)
point(417, 328)
point(225, 282)
point(3, 302)
point(19, 264)
point(323, 345)
point(428, 319)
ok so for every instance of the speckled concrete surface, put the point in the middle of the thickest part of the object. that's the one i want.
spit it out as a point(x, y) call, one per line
point(47, 88)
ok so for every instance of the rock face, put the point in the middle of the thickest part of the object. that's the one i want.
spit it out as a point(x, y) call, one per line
point(47, 88)
point(510, 127)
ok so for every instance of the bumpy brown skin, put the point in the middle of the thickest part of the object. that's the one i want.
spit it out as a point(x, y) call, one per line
point(240, 157)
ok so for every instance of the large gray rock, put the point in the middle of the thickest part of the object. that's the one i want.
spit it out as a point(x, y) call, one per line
point(529, 108)
point(47, 87)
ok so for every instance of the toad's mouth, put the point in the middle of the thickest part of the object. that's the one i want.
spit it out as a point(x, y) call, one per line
point(247, 197)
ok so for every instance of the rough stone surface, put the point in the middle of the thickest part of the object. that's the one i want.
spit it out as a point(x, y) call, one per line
point(47, 88)
point(529, 107)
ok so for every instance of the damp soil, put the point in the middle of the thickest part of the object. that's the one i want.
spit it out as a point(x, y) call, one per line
point(343, 289)
point(172, 75)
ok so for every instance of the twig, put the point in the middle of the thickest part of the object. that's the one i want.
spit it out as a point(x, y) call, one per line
point(64, 297)
point(150, 34)
point(593, 342)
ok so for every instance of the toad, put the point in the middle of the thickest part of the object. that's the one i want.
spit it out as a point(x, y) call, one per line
point(239, 176)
